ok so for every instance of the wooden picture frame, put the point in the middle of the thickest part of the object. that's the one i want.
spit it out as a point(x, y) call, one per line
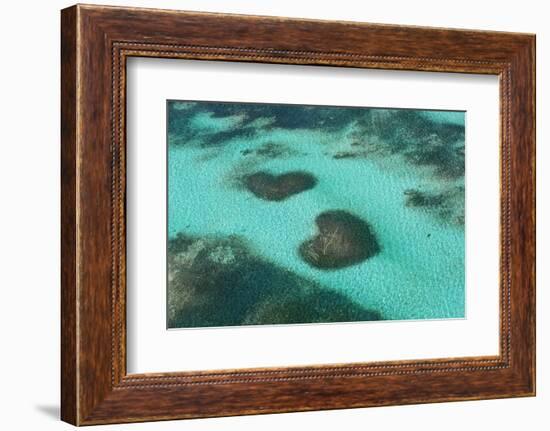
point(96, 41)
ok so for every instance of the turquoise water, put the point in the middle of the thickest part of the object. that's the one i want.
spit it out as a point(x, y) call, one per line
point(360, 167)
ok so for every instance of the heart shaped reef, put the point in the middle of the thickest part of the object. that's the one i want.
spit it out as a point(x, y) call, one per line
point(278, 187)
point(343, 240)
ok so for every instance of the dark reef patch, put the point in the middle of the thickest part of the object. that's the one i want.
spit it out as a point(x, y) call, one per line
point(292, 117)
point(416, 198)
point(446, 159)
point(223, 137)
point(218, 281)
point(278, 187)
point(321, 305)
point(403, 129)
point(343, 240)
point(271, 150)
point(447, 205)
point(289, 117)
point(421, 140)
point(348, 155)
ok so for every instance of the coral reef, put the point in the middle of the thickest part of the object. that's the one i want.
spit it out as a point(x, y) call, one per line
point(343, 240)
point(271, 150)
point(240, 168)
point(416, 198)
point(249, 119)
point(272, 187)
point(421, 141)
point(447, 205)
point(219, 281)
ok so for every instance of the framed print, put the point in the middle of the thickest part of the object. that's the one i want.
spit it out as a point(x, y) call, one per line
point(268, 215)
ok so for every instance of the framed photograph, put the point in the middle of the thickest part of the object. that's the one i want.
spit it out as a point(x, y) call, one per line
point(265, 215)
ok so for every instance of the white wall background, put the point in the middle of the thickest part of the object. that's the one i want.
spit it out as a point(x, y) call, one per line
point(29, 224)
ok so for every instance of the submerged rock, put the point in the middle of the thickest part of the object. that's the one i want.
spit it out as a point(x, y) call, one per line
point(343, 240)
point(278, 187)
point(218, 281)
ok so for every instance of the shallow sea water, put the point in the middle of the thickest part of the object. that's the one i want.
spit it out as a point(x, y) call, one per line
point(419, 272)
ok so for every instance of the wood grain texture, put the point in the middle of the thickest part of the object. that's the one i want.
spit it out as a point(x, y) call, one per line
point(69, 397)
point(96, 41)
